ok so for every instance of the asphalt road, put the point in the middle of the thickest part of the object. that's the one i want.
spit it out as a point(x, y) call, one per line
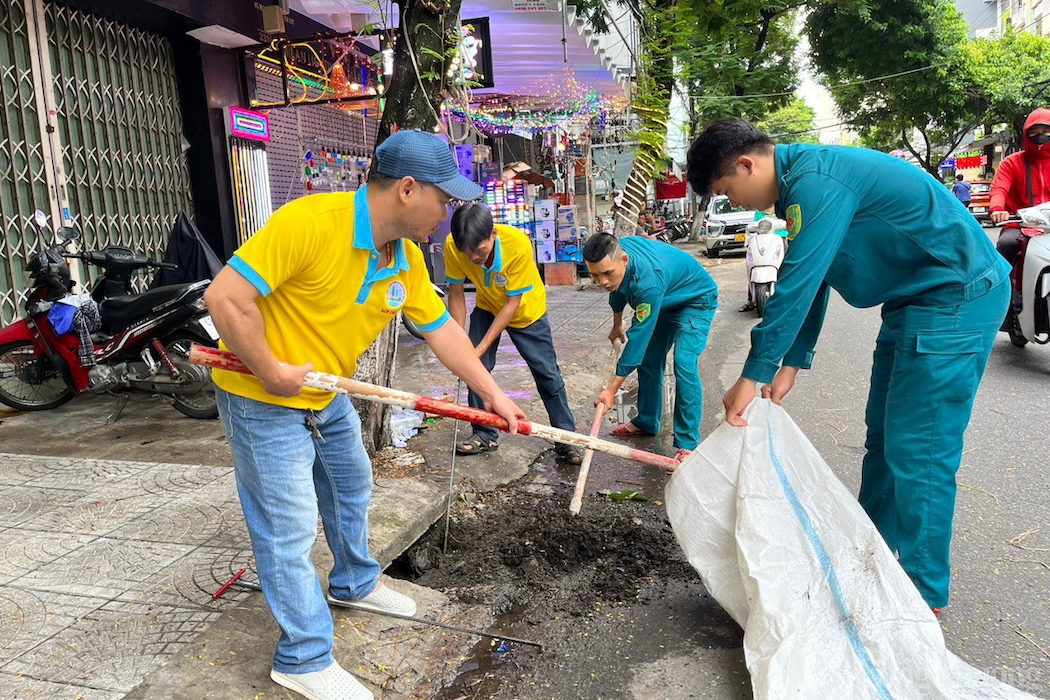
point(999, 615)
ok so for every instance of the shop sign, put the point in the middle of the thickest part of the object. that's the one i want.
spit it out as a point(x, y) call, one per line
point(247, 124)
point(531, 6)
point(970, 159)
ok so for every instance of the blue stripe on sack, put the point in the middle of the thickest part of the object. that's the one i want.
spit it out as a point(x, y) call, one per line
point(829, 573)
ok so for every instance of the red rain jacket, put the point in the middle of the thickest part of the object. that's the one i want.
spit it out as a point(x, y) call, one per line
point(1010, 185)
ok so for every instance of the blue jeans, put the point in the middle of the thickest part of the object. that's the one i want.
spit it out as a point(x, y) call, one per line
point(285, 474)
point(536, 346)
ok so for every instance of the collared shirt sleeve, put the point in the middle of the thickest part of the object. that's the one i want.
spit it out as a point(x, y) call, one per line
point(285, 246)
point(454, 272)
point(516, 268)
point(826, 207)
point(646, 313)
point(802, 350)
point(617, 301)
point(423, 306)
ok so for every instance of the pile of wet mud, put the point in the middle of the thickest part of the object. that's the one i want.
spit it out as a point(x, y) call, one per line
point(608, 593)
point(527, 543)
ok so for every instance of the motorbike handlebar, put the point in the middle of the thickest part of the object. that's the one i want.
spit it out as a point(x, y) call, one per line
point(97, 258)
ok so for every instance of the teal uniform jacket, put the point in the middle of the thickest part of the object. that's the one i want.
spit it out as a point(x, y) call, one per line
point(876, 229)
point(661, 280)
point(882, 231)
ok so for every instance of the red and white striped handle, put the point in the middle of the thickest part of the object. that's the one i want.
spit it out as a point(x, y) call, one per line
point(223, 359)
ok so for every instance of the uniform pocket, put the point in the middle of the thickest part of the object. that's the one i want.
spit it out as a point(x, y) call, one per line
point(949, 363)
point(948, 342)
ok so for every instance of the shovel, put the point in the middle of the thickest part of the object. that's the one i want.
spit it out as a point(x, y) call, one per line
point(222, 359)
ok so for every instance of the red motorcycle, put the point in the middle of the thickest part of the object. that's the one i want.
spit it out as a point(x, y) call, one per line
point(142, 346)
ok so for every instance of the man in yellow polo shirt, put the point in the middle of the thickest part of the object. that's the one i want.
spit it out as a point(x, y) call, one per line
point(510, 296)
point(313, 289)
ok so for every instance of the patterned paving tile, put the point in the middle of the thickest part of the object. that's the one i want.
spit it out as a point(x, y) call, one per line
point(191, 581)
point(94, 514)
point(26, 688)
point(17, 470)
point(19, 504)
point(181, 479)
point(113, 647)
point(208, 514)
point(23, 551)
point(29, 618)
point(87, 474)
point(105, 568)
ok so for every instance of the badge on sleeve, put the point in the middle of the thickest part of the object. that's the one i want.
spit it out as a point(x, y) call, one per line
point(794, 221)
point(642, 312)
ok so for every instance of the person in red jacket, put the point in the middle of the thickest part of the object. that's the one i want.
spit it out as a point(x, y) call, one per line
point(1022, 180)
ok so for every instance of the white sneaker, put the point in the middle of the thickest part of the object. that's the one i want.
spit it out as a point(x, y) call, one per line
point(383, 599)
point(333, 683)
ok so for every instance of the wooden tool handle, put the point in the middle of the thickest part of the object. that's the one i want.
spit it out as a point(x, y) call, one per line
point(222, 359)
point(576, 504)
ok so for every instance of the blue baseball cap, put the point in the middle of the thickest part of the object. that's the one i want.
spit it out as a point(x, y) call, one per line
point(425, 157)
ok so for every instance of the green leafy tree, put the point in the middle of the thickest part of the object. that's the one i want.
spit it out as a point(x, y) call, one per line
point(1014, 73)
point(746, 50)
point(718, 54)
point(932, 101)
point(792, 123)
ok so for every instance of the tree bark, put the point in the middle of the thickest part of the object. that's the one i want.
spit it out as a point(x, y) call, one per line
point(424, 39)
point(426, 25)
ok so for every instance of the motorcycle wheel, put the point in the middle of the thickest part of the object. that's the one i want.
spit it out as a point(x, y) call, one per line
point(201, 405)
point(1013, 329)
point(411, 327)
point(761, 297)
point(30, 382)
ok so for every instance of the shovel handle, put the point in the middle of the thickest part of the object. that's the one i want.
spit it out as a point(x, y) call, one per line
point(576, 504)
point(225, 360)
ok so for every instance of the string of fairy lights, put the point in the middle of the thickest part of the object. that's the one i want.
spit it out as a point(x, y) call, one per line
point(559, 100)
point(556, 101)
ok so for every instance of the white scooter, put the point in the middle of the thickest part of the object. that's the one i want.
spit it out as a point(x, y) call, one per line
point(1032, 321)
point(765, 253)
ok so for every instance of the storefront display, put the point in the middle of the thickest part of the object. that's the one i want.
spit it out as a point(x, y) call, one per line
point(507, 202)
point(247, 134)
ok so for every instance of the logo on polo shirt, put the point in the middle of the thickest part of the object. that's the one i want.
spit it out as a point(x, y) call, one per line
point(501, 279)
point(395, 295)
point(643, 312)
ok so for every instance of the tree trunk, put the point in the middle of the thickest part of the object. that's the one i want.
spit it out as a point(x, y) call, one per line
point(426, 24)
point(424, 39)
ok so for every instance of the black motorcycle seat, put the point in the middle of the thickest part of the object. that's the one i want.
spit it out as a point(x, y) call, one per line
point(120, 312)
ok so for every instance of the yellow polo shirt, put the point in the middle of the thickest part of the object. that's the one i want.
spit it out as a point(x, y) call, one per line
point(513, 273)
point(323, 300)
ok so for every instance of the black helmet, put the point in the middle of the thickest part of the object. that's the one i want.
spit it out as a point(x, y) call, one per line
point(50, 269)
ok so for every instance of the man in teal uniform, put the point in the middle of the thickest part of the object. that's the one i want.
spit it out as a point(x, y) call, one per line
point(674, 301)
point(879, 231)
